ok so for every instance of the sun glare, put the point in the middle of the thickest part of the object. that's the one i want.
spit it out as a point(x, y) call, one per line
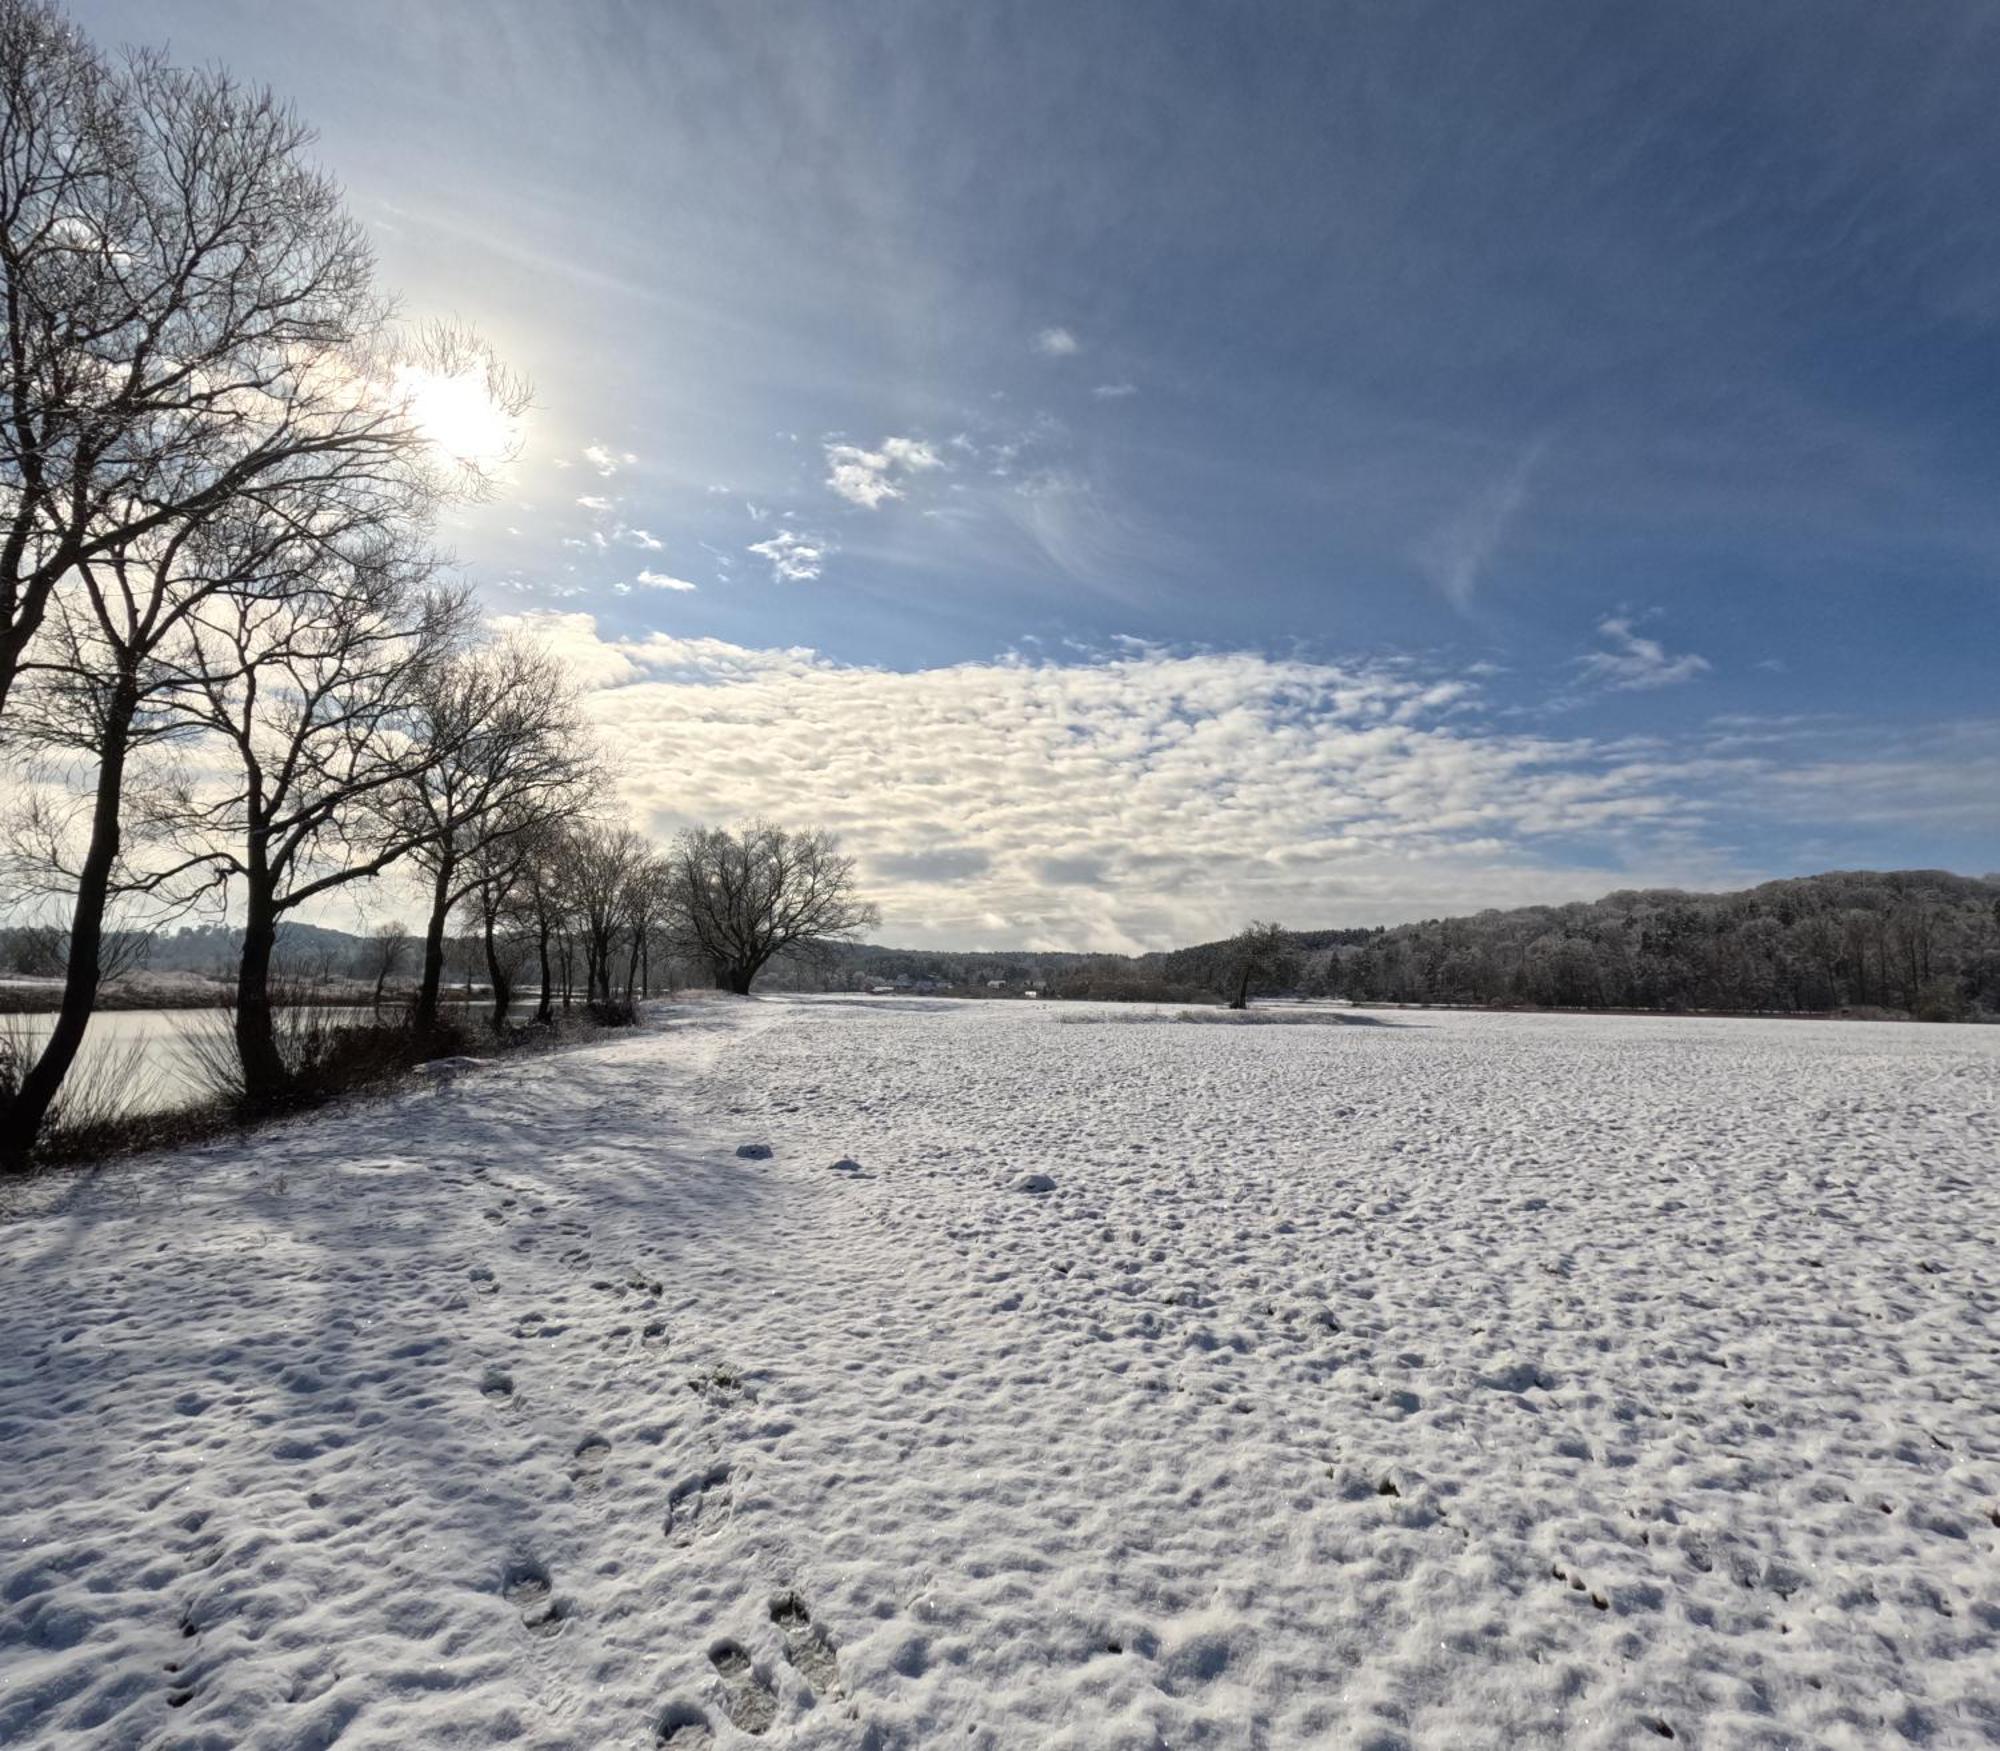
point(460, 417)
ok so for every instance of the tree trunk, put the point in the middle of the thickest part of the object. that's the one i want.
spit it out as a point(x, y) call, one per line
point(544, 1009)
point(264, 1075)
point(425, 1017)
point(503, 986)
point(22, 1117)
point(1242, 998)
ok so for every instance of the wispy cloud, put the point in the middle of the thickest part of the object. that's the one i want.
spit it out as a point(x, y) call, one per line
point(661, 581)
point(795, 558)
point(1114, 391)
point(1636, 663)
point(1057, 343)
point(1456, 554)
point(595, 502)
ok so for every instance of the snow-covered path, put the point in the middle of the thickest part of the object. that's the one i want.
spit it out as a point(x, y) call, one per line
point(1456, 1381)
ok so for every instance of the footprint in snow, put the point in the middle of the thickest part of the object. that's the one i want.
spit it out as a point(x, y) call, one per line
point(1576, 1584)
point(753, 1152)
point(526, 1587)
point(806, 1645)
point(685, 1728)
point(482, 1280)
point(538, 1325)
point(750, 1703)
point(591, 1454)
point(699, 1506)
point(497, 1384)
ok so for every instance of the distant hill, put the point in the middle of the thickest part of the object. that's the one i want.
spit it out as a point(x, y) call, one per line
point(1917, 942)
point(1921, 942)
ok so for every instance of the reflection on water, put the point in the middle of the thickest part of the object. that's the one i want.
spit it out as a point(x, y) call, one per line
point(143, 1053)
point(151, 1057)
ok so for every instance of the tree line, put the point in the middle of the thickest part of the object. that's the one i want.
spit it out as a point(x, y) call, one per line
point(232, 659)
point(1924, 943)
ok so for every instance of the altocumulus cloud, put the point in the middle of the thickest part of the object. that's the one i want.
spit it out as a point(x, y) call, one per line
point(1151, 796)
point(795, 558)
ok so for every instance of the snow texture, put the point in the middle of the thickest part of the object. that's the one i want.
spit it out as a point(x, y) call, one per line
point(1457, 1381)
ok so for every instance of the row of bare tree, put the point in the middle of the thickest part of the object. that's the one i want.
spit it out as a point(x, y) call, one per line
point(598, 910)
point(229, 657)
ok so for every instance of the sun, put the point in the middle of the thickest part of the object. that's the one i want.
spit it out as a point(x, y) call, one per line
point(459, 415)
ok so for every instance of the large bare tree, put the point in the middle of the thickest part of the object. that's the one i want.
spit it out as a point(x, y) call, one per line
point(189, 312)
point(316, 691)
point(737, 899)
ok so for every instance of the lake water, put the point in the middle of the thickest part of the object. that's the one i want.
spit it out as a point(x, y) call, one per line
point(147, 1055)
point(152, 1057)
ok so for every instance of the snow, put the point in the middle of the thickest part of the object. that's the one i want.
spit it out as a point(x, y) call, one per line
point(1455, 1381)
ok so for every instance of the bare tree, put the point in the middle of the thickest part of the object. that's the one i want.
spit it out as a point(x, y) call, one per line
point(316, 690)
point(512, 759)
point(500, 867)
point(737, 899)
point(645, 912)
point(604, 863)
point(542, 907)
point(189, 312)
point(96, 690)
point(385, 952)
point(1259, 954)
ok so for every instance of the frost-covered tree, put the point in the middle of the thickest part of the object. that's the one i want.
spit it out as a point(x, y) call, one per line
point(1259, 956)
point(737, 899)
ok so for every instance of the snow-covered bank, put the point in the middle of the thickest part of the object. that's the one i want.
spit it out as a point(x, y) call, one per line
point(1459, 1381)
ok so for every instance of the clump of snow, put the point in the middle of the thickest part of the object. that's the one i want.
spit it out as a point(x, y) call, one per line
point(1480, 1381)
point(1034, 1182)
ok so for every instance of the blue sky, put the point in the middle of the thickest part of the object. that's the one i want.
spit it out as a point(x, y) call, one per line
point(1619, 381)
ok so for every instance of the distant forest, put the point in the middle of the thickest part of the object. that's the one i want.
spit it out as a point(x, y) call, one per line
point(1924, 943)
point(1915, 942)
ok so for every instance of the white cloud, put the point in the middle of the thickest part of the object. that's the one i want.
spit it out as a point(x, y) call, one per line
point(594, 502)
point(601, 459)
point(660, 581)
point(863, 477)
point(1635, 663)
point(1114, 391)
point(641, 538)
point(1057, 343)
point(1135, 799)
point(795, 558)
point(1149, 797)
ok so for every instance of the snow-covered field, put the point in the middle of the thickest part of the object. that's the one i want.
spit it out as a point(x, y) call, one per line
point(1446, 1380)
